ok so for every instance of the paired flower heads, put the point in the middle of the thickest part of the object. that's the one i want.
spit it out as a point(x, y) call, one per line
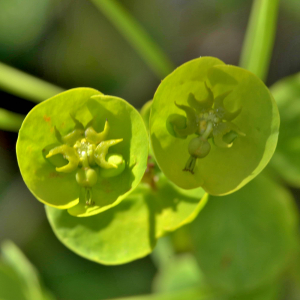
point(208, 119)
point(76, 170)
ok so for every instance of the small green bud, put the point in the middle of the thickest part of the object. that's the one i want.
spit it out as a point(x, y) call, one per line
point(175, 122)
point(190, 164)
point(191, 121)
point(118, 161)
point(224, 135)
point(230, 137)
point(199, 147)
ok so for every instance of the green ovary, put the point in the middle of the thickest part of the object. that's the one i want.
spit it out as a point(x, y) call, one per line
point(209, 120)
point(86, 177)
point(86, 151)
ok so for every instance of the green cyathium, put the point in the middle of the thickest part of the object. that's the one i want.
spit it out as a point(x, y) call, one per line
point(209, 120)
point(85, 151)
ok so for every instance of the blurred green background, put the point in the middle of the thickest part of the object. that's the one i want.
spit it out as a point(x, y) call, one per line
point(71, 44)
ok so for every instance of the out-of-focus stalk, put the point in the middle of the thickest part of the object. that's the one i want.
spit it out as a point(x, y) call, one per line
point(10, 121)
point(140, 40)
point(26, 86)
point(260, 36)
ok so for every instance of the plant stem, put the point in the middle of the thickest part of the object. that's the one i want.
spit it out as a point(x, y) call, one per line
point(26, 86)
point(260, 36)
point(136, 36)
point(10, 121)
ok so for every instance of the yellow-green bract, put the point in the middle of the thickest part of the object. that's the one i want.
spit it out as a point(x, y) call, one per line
point(129, 230)
point(213, 125)
point(69, 144)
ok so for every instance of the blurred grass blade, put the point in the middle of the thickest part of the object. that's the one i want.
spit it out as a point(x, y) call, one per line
point(259, 40)
point(26, 86)
point(136, 36)
point(25, 271)
point(28, 274)
point(10, 121)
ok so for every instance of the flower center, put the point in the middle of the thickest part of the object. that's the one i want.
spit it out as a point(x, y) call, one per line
point(208, 119)
point(86, 151)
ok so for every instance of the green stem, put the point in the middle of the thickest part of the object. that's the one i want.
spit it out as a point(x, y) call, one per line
point(26, 86)
point(208, 131)
point(136, 36)
point(260, 36)
point(10, 121)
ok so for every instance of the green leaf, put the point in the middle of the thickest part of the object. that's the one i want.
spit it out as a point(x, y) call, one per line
point(129, 230)
point(182, 272)
point(250, 112)
point(61, 119)
point(245, 240)
point(269, 292)
point(173, 206)
point(286, 160)
point(292, 278)
point(190, 294)
point(265, 293)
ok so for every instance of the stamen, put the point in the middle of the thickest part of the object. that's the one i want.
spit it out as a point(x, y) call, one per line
point(88, 197)
point(190, 164)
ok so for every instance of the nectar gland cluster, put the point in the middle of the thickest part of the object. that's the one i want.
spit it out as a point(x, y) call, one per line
point(208, 119)
point(86, 150)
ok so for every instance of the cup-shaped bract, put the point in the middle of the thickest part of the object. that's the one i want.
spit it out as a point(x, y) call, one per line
point(213, 125)
point(129, 230)
point(82, 151)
